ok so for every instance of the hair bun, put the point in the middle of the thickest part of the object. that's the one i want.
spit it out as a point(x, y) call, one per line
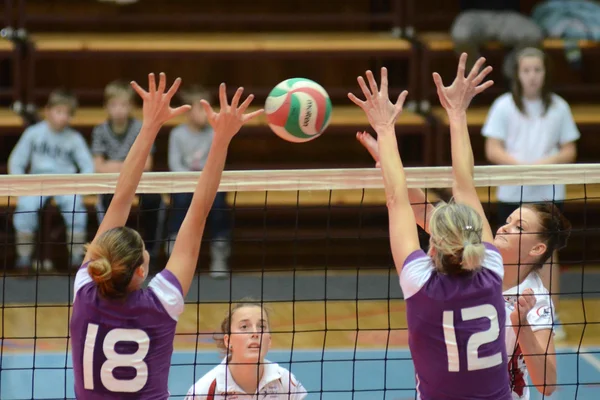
point(100, 270)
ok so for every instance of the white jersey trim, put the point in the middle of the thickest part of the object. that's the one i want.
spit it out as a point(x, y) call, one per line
point(82, 278)
point(168, 295)
point(418, 268)
point(274, 375)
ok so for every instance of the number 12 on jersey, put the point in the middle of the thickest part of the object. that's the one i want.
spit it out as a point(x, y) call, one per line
point(474, 362)
point(114, 359)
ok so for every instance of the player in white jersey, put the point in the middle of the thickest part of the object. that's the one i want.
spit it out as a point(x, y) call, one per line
point(122, 334)
point(529, 237)
point(244, 373)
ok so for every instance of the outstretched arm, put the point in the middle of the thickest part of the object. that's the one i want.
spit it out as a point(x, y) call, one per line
point(382, 115)
point(418, 200)
point(226, 124)
point(156, 112)
point(456, 99)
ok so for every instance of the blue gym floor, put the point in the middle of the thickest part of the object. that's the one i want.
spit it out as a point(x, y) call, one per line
point(332, 375)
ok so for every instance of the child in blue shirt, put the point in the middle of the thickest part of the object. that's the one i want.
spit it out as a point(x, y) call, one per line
point(51, 147)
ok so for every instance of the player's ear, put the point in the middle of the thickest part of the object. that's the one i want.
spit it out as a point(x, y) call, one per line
point(226, 341)
point(538, 250)
point(139, 271)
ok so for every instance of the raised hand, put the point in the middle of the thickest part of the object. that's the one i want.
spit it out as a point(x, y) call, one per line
point(523, 305)
point(228, 121)
point(369, 143)
point(156, 109)
point(458, 96)
point(381, 112)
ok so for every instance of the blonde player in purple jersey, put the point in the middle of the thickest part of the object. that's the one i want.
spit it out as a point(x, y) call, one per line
point(122, 335)
point(454, 304)
point(527, 240)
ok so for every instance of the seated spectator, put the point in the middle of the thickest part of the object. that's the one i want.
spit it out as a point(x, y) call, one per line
point(482, 21)
point(189, 144)
point(111, 141)
point(51, 147)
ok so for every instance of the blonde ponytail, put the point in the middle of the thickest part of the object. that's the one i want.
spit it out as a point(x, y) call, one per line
point(456, 238)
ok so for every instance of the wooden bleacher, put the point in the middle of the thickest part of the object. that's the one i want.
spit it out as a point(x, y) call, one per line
point(229, 46)
point(8, 52)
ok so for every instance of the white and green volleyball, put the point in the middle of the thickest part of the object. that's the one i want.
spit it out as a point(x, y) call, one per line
point(298, 110)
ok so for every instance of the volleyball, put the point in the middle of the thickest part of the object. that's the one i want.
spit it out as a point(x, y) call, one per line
point(298, 110)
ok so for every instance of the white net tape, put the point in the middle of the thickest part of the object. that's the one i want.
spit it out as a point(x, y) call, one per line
point(286, 180)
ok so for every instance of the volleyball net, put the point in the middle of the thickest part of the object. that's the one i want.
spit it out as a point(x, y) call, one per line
point(312, 245)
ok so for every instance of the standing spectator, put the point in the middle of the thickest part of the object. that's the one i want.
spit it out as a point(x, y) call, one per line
point(189, 144)
point(111, 142)
point(531, 125)
point(51, 147)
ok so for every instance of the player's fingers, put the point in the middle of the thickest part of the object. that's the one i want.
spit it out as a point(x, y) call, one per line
point(476, 68)
point(223, 96)
point(484, 86)
point(207, 109)
point(437, 79)
point(236, 98)
point(151, 83)
point(356, 100)
point(173, 89)
point(162, 83)
point(175, 112)
point(401, 99)
point(462, 62)
point(384, 82)
point(372, 83)
point(378, 164)
point(244, 106)
point(479, 78)
point(141, 92)
point(248, 117)
point(363, 87)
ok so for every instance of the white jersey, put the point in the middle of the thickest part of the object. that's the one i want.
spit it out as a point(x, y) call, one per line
point(277, 383)
point(540, 317)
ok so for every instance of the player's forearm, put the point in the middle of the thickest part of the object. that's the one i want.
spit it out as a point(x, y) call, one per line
point(394, 179)
point(209, 181)
point(133, 167)
point(462, 154)
point(541, 366)
point(421, 208)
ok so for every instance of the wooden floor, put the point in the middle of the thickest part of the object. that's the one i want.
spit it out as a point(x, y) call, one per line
point(303, 325)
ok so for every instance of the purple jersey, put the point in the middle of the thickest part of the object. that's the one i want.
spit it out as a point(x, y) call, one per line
point(456, 329)
point(122, 348)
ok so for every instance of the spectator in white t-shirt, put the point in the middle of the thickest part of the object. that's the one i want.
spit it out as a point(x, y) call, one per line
point(531, 126)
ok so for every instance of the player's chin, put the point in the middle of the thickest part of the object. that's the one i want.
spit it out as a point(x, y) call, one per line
point(501, 242)
point(253, 355)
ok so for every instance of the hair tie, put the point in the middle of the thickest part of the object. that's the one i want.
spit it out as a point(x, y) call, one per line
point(465, 244)
point(469, 228)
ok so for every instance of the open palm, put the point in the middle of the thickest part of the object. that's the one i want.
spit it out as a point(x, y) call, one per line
point(380, 111)
point(458, 96)
point(230, 118)
point(156, 108)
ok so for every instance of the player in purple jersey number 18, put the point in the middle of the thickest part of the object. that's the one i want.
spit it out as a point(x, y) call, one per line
point(122, 334)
